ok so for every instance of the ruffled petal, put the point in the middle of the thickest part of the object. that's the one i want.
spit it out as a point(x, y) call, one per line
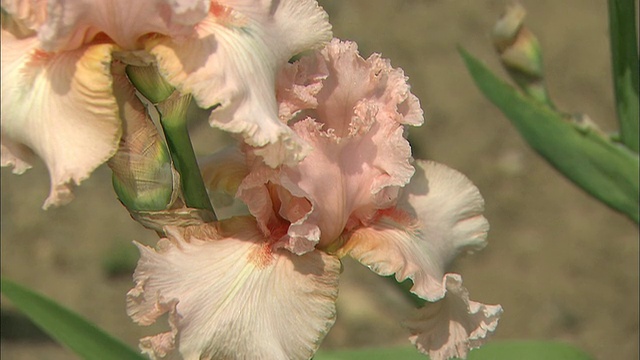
point(350, 111)
point(452, 326)
point(230, 297)
point(68, 25)
point(62, 107)
point(15, 155)
point(232, 62)
point(438, 216)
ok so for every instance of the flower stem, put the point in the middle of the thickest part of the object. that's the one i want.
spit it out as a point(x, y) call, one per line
point(173, 118)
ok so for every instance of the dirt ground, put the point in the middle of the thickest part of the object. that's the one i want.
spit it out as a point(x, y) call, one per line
point(562, 265)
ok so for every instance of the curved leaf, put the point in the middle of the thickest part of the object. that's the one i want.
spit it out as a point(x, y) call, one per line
point(66, 327)
point(606, 170)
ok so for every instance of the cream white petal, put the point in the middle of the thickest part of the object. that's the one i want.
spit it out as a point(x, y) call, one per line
point(231, 64)
point(62, 107)
point(229, 296)
point(438, 216)
point(454, 325)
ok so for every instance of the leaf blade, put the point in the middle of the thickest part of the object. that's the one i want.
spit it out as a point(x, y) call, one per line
point(66, 327)
point(606, 170)
point(624, 61)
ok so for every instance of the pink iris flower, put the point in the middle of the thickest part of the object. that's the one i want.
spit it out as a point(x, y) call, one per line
point(264, 286)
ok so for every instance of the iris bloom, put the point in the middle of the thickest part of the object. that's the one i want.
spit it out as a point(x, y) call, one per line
point(58, 96)
point(264, 286)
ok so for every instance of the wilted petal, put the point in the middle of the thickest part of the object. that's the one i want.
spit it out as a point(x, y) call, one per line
point(232, 62)
point(439, 215)
point(62, 107)
point(231, 297)
point(452, 326)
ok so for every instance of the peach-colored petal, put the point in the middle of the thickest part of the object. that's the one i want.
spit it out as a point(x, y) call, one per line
point(15, 155)
point(62, 107)
point(230, 297)
point(439, 215)
point(232, 61)
point(454, 325)
point(67, 25)
point(360, 159)
point(222, 173)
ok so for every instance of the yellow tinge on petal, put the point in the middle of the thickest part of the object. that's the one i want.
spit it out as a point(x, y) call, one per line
point(61, 106)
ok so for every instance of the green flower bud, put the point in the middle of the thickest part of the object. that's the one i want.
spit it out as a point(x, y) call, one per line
point(520, 53)
point(149, 83)
point(142, 174)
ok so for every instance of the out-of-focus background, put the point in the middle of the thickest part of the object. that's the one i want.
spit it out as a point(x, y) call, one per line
point(562, 265)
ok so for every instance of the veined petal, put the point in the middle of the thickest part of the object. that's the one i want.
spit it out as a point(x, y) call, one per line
point(62, 107)
point(68, 25)
point(452, 326)
point(232, 62)
point(438, 216)
point(230, 297)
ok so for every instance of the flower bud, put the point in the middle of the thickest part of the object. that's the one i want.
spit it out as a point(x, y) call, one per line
point(520, 52)
point(142, 174)
point(149, 82)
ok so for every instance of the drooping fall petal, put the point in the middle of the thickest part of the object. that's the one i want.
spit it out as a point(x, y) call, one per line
point(232, 61)
point(452, 326)
point(438, 216)
point(230, 297)
point(61, 106)
point(352, 111)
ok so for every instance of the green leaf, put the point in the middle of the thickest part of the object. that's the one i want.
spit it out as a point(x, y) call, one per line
point(528, 350)
point(624, 59)
point(604, 169)
point(66, 327)
point(499, 350)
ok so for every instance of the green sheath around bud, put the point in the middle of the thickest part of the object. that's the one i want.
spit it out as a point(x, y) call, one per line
point(149, 82)
point(520, 53)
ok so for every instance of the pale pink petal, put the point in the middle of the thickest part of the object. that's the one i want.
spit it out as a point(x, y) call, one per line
point(62, 107)
point(439, 215)
point(230, 296)
point(232, 61)
point(15, 155)
point(67, 25)
point(360, 157)
point(452, 326)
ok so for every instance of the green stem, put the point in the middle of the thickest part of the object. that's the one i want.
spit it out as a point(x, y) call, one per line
point(173, 118)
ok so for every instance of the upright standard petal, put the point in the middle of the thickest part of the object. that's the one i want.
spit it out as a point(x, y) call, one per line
point(231, 64)
point(229, 296)
point(352, 112)
point(438, 216)
point(61, 106)
point(68, 25)
point(452, 326)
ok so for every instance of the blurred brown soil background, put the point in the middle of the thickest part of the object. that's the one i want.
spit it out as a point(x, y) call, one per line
point(563, 266)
